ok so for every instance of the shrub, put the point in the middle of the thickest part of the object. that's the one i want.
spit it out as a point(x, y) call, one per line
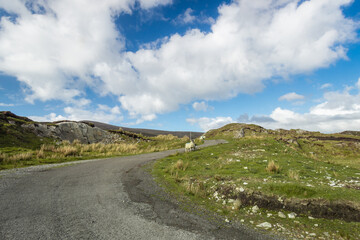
point(272, 167)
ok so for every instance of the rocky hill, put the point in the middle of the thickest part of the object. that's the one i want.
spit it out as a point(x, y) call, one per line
point(21, 131)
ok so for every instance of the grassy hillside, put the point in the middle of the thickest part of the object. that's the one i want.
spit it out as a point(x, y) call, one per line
point(293, 183)
point(13, 135)
point(20, 147)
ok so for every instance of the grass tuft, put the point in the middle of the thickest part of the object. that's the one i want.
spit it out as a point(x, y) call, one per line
point(293, 174)
point(272, 167)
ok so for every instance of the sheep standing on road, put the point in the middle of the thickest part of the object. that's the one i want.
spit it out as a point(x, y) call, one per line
point(190, 146)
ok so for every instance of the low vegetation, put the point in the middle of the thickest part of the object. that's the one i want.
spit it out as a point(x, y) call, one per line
point(297, 184)
point(11, 157)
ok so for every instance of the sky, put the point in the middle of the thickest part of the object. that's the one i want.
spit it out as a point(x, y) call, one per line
point(189, 65)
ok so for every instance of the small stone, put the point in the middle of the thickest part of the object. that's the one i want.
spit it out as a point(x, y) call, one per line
point(252, 222)
point(245, 183)
point(312, 234)
point(282, 215)
point(310, 217)
point(265, 225)
point(242, 220)
point(327, 234)
point(255, 209)
point(241, 189)
point(316, 225)
point(292, 215)
point(227, 220)
point(245, 168)
point(269, 215)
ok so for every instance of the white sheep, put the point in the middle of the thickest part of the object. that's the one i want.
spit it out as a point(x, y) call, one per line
point(190, 146)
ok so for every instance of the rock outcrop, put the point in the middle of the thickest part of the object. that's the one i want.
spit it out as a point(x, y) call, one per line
point(71, 131)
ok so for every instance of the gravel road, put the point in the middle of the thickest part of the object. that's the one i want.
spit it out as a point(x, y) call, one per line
point(100, 199)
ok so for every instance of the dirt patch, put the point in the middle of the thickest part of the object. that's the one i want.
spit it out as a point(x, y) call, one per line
point(319, 208)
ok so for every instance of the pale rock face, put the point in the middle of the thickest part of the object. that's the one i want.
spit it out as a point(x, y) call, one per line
point(71, 131)
point(240, 133)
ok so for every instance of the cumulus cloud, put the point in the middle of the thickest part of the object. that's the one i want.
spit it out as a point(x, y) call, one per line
point(102, 113)
point(291, 97)
point(210, 123)
point(201, 106)
point(339, 111)
point(59, 47)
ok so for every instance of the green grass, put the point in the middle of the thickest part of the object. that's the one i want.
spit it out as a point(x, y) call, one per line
point(243, 163)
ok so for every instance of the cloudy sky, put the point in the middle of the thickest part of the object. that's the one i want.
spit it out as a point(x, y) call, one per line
point(183, 65)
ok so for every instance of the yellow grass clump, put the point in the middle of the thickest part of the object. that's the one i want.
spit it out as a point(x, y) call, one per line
point(293, 174)
point(272, 167)
point(168, 137)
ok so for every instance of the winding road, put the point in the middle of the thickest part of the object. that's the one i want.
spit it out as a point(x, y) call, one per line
point(100, 199)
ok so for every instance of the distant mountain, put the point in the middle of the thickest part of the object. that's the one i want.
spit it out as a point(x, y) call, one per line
point(145, 132)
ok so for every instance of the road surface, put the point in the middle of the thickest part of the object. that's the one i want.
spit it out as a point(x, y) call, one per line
point(100, 199)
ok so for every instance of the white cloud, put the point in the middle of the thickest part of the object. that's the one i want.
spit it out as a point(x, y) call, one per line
point(339, 111)
point(291, 97)
point(102, 113)
point(201, 106)
point(326, 85)
point(6, 105)
point(187, 17)
point(210, 123)
point(75, 44)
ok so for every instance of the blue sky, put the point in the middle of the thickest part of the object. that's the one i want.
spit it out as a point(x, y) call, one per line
point(183, 65)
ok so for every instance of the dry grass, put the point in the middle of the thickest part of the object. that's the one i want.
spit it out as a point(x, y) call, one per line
point(2, 157)
point(40, 153)
point(237, 204)
point(196, 188)
point(179, 164)
point(272, 167)
point(294, 174)
point(20, 157)
point(168, 137)
point(68, 151)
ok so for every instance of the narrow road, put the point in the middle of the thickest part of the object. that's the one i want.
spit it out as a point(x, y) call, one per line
point(98, 199)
